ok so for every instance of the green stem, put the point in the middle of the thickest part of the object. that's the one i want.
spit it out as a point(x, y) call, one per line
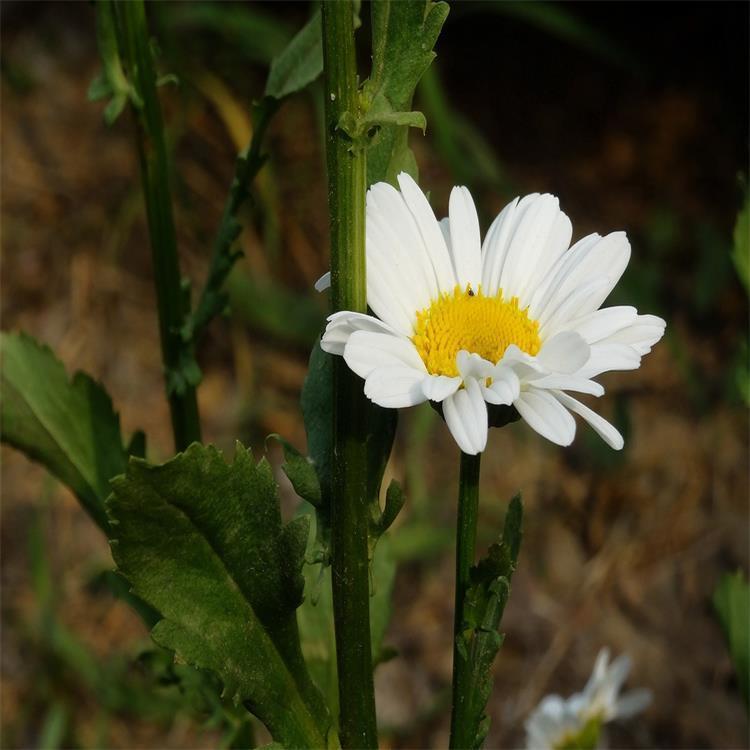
point(172, 301)
point(466, 537)
point(350, 507)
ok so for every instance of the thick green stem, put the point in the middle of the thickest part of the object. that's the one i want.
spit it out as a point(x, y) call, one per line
point(350, 508)
point(466, 537)
point(171, 299)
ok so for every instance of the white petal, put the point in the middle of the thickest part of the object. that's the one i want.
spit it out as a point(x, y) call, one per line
point(343, 324)
point(471, 365)
point(524, 365)
point(389, 217)
point(395, 387)
point(385, 295)
point(392, 254)
point(606, 431)
point(495, 246)
point(430, 231)
point(324, 282)
point(602, 323)
point(566, 352)
point(576, 304)
point(590, 258)
point(445, 229)
point(439, 387)
point(633, 703)
point(610, 358)
point(568, 383)
point(505, 387)
point(540, 237)
point(465, 238)
point(544, 413)
point(466, 416)
point(366, 351)
point(645, 331)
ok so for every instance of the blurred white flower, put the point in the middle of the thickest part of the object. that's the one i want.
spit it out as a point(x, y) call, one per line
point(511, 320)
point(575, 723)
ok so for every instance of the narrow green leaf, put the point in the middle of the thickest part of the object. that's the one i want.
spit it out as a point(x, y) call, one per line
point(403, 35)
point(69, 426)
point(300, 63)
point(485, 602)
point(301, 472)
point(203, 543)
point(732, 605)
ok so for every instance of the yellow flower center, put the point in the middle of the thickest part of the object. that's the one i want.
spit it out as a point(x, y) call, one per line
point(481, 325)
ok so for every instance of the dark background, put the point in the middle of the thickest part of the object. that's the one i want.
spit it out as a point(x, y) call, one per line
point(635, 115)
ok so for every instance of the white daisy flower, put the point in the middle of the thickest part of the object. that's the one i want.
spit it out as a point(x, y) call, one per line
point(513, 320)
point(576, 722)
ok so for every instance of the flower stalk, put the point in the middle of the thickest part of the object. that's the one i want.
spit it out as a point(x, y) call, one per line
point(350, 507)
point(462, 728)
point(172, 301)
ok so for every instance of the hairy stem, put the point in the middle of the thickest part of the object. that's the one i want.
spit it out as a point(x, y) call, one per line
point(172, 301)
point(466, 535)
point(350, 508)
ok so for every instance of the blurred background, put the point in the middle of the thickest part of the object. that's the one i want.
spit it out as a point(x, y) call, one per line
point(635, 115)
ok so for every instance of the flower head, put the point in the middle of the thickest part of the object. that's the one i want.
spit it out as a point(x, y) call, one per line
point(512, 321)
point(576, 722)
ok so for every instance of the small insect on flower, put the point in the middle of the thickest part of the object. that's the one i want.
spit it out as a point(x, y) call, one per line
point(513, 320)
point(576, 722)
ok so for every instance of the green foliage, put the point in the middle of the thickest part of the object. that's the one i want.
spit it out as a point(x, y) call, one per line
point(732, 604)
point(257, 35)
point(485, 602)
point(274, 309)
point(403, 35)
point(317, 411)
point(464, 149)
point(69, 426)
point(315, 618)
point(556, 20)
point(203, 542)
point(741, 250)
point(112, 81)
point(300, 63)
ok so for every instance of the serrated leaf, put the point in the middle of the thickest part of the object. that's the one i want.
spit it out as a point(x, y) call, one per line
point(403, 35)
point(203, 543)
point(732, 604)
point(69, 426)
point(300, 63)
point(485, 602)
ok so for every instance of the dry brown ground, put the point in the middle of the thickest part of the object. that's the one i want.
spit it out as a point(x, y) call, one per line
point(626, 556)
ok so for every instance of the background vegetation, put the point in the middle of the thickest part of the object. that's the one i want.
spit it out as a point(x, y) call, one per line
point(635, 115)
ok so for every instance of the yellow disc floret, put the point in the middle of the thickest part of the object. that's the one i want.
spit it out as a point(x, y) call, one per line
point(467, 320)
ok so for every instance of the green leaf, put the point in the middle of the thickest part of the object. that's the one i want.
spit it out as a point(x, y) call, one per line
point(317, 411)
point(485, 601)
point(69, 426)
point(741, 250)
point(732, 604)
point(403, 35)
point(203, 543)
point(301, 472)
point(111, 81)
point(300, 63)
